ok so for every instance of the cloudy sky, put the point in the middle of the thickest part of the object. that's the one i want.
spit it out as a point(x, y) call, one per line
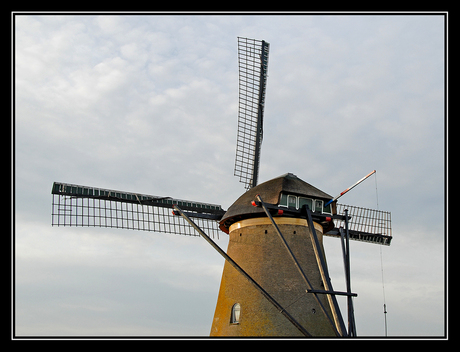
point(149, 104)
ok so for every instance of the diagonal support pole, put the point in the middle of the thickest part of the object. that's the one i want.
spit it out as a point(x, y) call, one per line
point(325, 275)
point(346, 265)
point(241, 271)
point(346, 258)
point(299, 268)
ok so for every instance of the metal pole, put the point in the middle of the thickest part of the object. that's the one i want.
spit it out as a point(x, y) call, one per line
point(349, 188)
point(325, 275)
point(351, 314)
point(344, 253)
point(385, 316)
point(246, 275)
point(309, 286)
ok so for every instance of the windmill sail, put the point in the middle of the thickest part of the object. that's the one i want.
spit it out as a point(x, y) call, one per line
point(252, 67)
point(368, 225)
point(75, 205)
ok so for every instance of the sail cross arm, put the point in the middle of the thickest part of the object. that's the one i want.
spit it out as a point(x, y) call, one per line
point(76, 205)
point(143, 199)
point(368, 225)
point(252, 68)
point(363, 236)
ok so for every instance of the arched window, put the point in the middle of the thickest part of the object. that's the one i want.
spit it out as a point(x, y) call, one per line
point(235, 316)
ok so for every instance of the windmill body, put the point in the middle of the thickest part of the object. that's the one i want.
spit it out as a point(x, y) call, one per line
point(275, 280)
point(254, 244)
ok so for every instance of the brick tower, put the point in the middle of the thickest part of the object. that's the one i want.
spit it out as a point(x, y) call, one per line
point(241, 310)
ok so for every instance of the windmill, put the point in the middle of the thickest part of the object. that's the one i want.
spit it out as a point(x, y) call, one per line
point(275, 280)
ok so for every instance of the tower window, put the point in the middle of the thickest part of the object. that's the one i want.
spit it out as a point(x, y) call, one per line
point(307, 201)
point(319, 206)
point(297, 202)
point(327, 209)
point(235, 316)
point(283, 200)
point(292, 201)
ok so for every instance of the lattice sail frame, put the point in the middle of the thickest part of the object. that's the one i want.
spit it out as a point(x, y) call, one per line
point(252, 68)
point(75, 205)
point(368, 225)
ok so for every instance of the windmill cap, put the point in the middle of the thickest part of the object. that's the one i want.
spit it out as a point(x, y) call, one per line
point(270, 192)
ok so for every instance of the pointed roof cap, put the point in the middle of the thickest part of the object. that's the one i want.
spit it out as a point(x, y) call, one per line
point(270, 192)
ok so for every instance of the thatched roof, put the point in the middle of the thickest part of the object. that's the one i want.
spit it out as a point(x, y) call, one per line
point(270, 192)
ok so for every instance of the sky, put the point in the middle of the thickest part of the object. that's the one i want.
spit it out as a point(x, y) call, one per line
point(148, 104)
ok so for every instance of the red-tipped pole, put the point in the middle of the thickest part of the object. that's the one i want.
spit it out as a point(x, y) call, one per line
point(349, 188)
